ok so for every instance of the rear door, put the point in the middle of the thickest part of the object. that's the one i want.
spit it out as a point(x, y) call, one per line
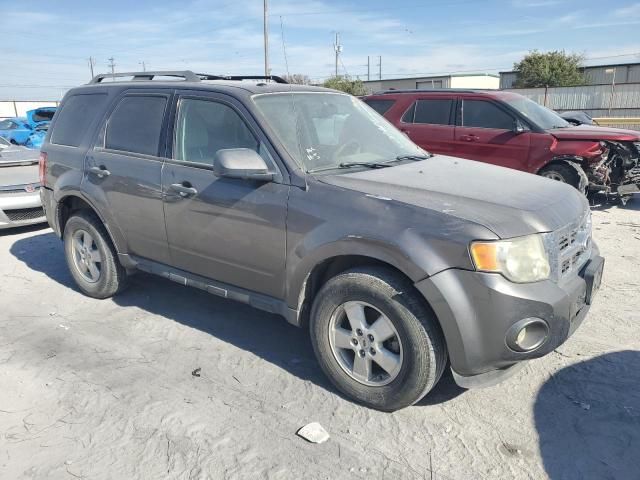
point(429, 122)
point(124, 169)
point(486, 131)
point(226, 229)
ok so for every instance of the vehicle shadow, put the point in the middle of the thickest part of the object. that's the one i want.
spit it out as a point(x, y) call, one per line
point(600, 201)
point(588, 419)
point(266, 335)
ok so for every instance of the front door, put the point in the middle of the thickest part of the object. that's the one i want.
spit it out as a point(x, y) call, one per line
point(487, 132)
point(123, 172)
point(230, 230)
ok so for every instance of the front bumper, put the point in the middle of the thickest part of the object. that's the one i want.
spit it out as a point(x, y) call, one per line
point(19, 208)
point(476, 310)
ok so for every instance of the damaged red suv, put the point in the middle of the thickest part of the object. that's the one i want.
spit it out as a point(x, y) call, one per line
point(510, 130)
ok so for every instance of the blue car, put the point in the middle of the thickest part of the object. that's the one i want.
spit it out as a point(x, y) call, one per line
point(29, 131)
point(15, 130)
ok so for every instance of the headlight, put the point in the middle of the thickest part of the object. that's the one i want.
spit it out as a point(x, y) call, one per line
point(520, 260)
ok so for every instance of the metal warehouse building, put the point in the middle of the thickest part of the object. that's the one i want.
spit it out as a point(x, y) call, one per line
point(595, 75)
point(470, 80)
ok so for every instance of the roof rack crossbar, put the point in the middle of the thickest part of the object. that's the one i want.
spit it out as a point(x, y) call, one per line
point(274, 78)
point(187, 75)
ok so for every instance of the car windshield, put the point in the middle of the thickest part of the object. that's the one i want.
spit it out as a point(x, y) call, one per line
point(539, 115)
point(324, 131)
point(4, 143)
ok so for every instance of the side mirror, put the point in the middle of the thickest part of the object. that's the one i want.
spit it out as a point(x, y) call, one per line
point(519, 127)
point(241, 163)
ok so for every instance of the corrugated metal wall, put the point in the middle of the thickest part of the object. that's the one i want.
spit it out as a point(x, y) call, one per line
point(596, 100)
point(588, 98)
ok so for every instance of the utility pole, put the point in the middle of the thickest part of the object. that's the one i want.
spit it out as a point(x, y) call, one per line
point(266, 39)
point(338, 48)
point(380, 67)
point(144, 66)
point(112, 66)
point(368, 68)
point(92, 63)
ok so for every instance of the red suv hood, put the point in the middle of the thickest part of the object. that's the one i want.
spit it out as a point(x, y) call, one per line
point(588, 132)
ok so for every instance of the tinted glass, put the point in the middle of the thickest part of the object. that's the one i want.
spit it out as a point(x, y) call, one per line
point(7, 125)
point(433, 111)
point(380, 106)
point(478, 113)
point(76, 115)
point(204, 127)
point(135, 125)
point(408, 115)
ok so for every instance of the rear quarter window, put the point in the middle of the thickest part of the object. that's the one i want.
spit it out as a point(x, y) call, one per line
point(75, 117)
point(380, 106)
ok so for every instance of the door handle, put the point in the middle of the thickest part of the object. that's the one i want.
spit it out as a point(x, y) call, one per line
point(469, 138)
point(184, 189)
point(100, 171)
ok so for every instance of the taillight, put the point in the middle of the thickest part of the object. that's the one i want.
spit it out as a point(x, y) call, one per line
point(42, 168)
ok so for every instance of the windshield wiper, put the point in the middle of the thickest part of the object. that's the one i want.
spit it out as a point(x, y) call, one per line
point(363, 164)
point(415, 158)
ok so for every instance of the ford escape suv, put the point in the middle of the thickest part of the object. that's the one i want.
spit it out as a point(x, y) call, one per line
point(507, 129)
point(305, 202)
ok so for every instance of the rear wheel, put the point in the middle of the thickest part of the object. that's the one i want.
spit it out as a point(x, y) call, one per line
point(566, 173)
point(91, 258)
point(376, 339)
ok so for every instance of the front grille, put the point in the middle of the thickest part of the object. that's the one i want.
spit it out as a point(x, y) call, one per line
point(570, 247)
point(23, 214)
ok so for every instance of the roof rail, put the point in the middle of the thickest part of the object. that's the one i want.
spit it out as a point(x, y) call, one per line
point(187, 75)
point(434, 90)
point(274, 78)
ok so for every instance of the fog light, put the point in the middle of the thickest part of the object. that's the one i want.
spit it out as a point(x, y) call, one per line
point(527, 334)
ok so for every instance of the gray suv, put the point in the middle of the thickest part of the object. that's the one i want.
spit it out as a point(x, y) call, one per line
point(305, 202)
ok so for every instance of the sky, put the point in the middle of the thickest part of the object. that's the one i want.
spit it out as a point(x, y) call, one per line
point(46, 45)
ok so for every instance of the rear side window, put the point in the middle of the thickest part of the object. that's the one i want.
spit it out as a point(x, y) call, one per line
point(380, 106)
point(75, 117)
point(483, 114)
point(135, 125)
point(433, 111)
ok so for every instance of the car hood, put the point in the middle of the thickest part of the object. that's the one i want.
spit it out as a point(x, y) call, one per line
point(18, 175)
point(593, 132)
point(508, 202)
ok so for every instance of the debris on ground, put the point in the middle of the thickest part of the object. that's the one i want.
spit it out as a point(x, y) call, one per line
point(313, 432)
point(196, 372)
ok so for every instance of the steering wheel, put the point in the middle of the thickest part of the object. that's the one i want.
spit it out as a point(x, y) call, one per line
point(345, 149)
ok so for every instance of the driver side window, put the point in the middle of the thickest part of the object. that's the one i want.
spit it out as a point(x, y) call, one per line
point(204, 126)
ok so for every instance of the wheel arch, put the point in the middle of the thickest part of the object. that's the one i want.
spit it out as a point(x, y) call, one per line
point(330, 266)
point(74, 202)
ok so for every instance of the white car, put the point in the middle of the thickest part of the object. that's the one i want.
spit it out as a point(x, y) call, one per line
point(20, 202)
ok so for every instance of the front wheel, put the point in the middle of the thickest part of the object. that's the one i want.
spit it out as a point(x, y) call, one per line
point(375, 338)
point(567, 173)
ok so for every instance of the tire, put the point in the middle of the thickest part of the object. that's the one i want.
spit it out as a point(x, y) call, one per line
point(566, 173)
point(112, 276)
point(417, 343)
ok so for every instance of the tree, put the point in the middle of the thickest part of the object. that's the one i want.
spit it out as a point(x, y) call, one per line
point(345, 84)
point(297, 78)
point(549, 69)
